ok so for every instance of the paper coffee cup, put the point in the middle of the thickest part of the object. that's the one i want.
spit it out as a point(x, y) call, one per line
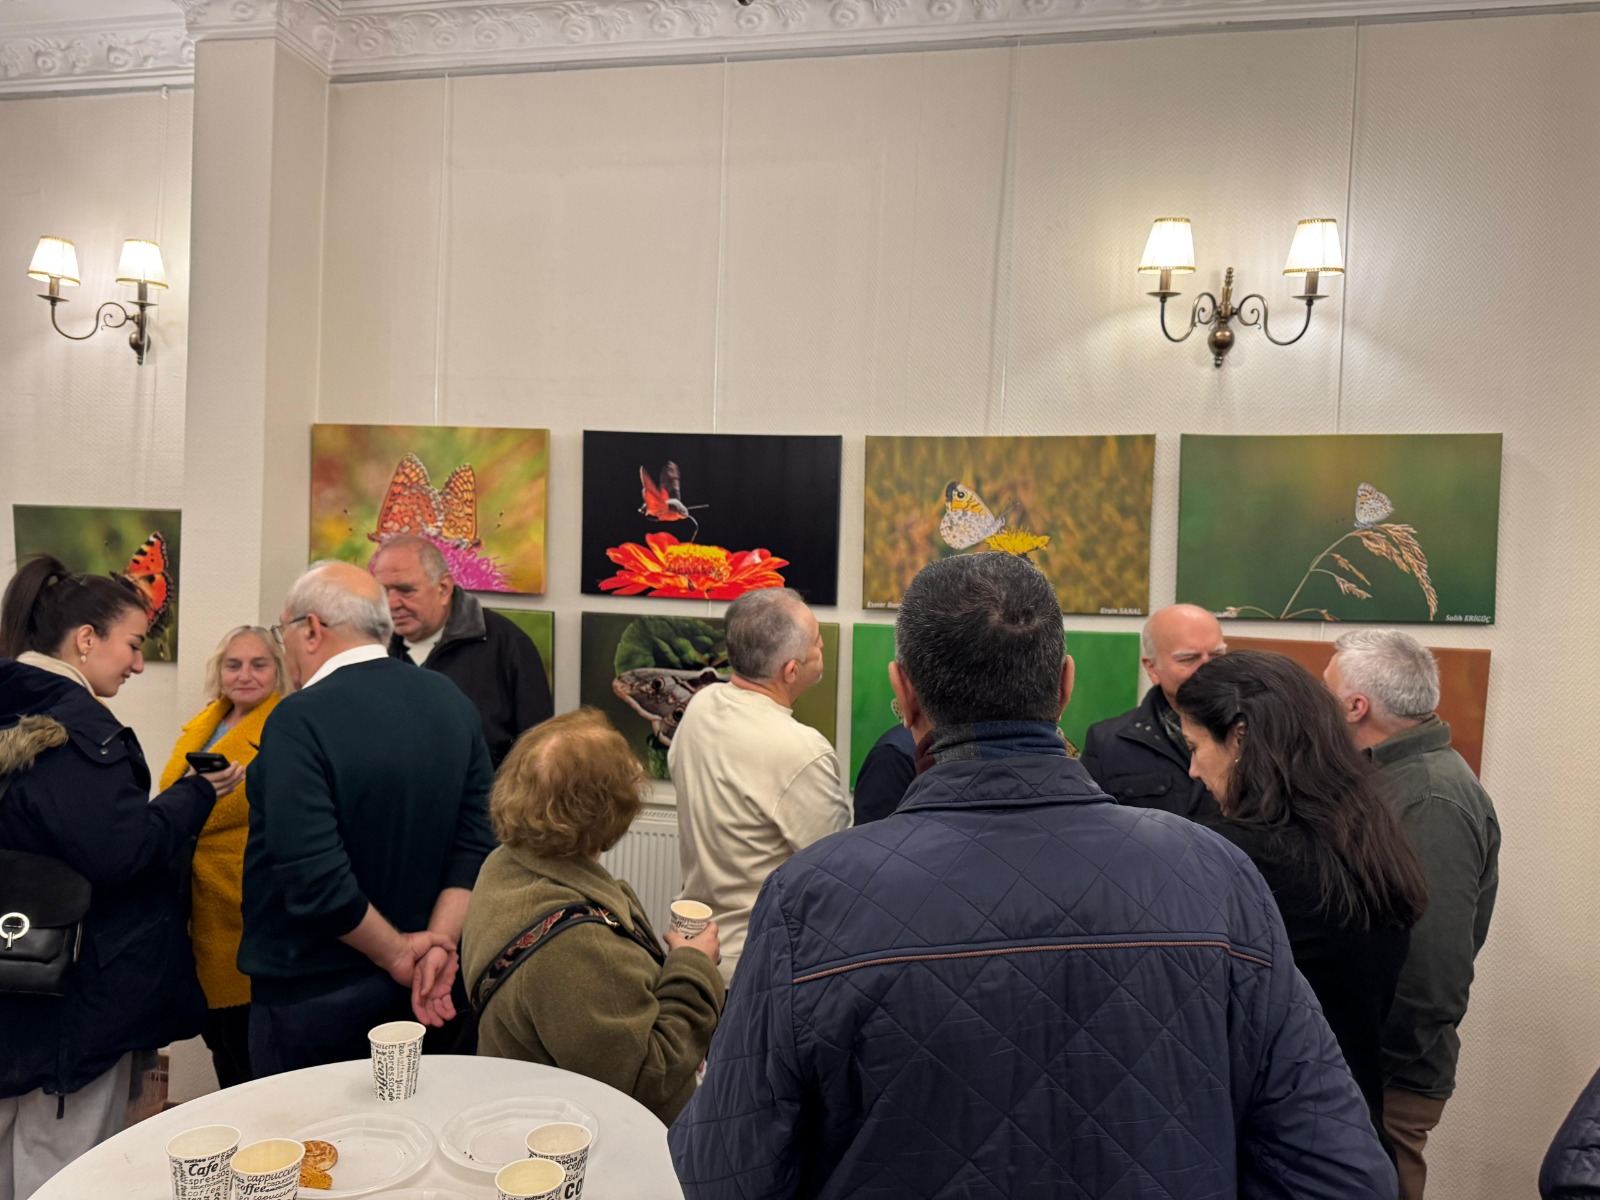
point(268, 1170)
point(199, 1160)
point(396, 1059)
point(690, 917)
point(567, 1144)
point(530, 1179)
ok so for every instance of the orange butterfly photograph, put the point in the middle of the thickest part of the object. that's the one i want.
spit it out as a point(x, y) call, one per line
point(138, 545)
point(477, 494)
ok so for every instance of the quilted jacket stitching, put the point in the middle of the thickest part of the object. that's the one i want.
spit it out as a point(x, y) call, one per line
point(1175, 944)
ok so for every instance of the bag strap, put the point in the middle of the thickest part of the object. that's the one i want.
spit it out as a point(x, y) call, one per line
point(520, 948)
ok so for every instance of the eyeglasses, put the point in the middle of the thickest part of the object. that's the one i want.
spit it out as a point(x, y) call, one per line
point(277, 630)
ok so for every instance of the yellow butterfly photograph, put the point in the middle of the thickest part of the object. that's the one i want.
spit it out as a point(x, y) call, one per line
point(1078, 508)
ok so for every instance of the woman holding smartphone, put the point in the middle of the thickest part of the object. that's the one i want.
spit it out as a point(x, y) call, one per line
point(244, 682)
point(77, 791)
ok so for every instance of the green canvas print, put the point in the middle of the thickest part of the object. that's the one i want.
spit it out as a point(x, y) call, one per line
point(1347, 527)
point(642, 671)
point(1106, 684)
point(541, 628)
point(142, 545)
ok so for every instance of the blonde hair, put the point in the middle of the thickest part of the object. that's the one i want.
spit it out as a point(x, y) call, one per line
point(569, 788)
point(214, 663)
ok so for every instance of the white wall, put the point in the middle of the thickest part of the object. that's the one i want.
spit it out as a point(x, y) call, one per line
point(84, 423)
point(945, 243)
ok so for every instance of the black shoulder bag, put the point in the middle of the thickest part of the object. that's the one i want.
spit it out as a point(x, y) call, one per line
point(520, 948)
point(43, 903)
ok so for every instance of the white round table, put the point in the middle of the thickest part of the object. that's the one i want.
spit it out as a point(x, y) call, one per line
point(629, 1160)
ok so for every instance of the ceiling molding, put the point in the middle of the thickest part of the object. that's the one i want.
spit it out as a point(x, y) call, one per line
point(352, 39)
point(95, 55)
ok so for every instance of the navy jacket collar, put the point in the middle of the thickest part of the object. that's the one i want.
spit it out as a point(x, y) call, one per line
point(1018, 781)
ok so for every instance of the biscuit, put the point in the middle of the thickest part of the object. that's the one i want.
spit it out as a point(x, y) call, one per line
point(310, 1177)
point(321, 1156)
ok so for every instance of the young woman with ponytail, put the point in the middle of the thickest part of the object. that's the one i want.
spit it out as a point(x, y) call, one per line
point(75, 788)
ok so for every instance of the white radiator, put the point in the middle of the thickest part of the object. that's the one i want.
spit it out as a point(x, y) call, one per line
point(647, 858)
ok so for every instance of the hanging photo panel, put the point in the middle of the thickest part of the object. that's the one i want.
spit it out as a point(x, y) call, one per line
point(1358, 527)
point(1463, 685)
point(541, 630)
point(477, 494)
point(710, 516)
point(1078, 508)
point(142, 545)
point(1107, 684)
point(642, 671)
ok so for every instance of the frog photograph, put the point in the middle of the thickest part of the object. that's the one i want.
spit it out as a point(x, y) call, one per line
point(643, 671)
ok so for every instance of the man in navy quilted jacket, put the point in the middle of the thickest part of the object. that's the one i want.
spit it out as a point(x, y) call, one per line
point(1015, 986)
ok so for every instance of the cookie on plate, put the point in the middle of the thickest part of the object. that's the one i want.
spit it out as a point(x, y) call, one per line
point(321, 1156)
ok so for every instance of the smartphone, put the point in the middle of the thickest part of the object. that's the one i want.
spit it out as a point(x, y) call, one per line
point(206, 763)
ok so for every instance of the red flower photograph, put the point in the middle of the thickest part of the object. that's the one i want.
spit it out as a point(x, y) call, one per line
point(666, 567)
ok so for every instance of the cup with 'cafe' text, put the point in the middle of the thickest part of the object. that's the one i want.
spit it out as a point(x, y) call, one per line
point(199, 1160)
point(396, 1059)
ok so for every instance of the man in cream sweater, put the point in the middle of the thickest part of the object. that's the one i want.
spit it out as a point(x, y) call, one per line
point(754, 785)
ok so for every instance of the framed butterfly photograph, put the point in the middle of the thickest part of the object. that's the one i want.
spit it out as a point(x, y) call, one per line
point(1108, 684)
point(1394, 528)
point(139, 545)
point(710, 516)
point(642, 670)
point(477, 494)
point(1078, 508)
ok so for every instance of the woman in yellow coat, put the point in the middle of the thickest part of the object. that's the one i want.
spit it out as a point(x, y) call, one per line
point(245, 679)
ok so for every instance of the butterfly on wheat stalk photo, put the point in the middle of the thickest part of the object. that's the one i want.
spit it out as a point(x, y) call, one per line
point(477, 494)
point(1353, 527)
point(138, 546)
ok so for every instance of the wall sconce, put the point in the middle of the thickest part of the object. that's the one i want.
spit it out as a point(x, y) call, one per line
point(56, 262)
point(1314, 252)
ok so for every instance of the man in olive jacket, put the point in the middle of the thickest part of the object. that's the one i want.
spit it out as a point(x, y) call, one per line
point(1388, 686)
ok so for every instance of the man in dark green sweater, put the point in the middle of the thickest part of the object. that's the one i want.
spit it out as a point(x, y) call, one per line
point(1387, 684)
point(368, 823)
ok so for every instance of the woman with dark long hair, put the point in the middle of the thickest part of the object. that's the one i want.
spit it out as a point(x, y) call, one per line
point(1296, 796)
point(74, 788)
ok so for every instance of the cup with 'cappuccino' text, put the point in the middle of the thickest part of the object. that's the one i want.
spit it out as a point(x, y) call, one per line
point(268, 1170)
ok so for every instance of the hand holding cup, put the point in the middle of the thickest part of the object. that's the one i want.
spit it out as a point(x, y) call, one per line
point(706, 941)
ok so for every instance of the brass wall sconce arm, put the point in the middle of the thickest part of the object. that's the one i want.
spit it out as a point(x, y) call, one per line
point(55, 262)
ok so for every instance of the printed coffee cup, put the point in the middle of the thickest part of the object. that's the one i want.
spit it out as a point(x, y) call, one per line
point(268, 1170)
point(690, 917)
point(530, 1179)
point(396, 1059)
point(566, 1144)
point(199, 1160)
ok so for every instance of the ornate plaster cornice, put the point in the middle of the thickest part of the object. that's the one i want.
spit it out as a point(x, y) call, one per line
point(94, 55)
point(351, 39)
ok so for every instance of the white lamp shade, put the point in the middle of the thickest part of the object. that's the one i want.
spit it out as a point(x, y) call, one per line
point(141, 263)
point(1315, 248)
point(1170, 248)
point(56, 258)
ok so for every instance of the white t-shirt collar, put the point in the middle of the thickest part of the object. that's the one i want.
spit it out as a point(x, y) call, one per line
point(346, 658)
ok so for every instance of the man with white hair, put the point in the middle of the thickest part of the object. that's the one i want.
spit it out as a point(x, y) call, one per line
point(1141, 757)
point(754, 785)
point(368, 823)
point(1387, 684)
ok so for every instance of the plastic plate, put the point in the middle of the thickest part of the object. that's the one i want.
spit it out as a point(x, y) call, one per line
point(376, 1151)
point(486, 1137)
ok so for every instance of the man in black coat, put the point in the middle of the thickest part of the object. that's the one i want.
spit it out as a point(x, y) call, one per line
point(1141, 757)
point(439, 626)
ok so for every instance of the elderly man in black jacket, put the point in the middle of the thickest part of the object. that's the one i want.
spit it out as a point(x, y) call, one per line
point(439, 626)
point(1141, 757)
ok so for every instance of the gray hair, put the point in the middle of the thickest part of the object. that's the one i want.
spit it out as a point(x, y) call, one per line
point(315, 593)
point(214, 663)
point(979, 637)
point(1147, 640)
point(764, 632)
point(429, 556)
point(1393, 670)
